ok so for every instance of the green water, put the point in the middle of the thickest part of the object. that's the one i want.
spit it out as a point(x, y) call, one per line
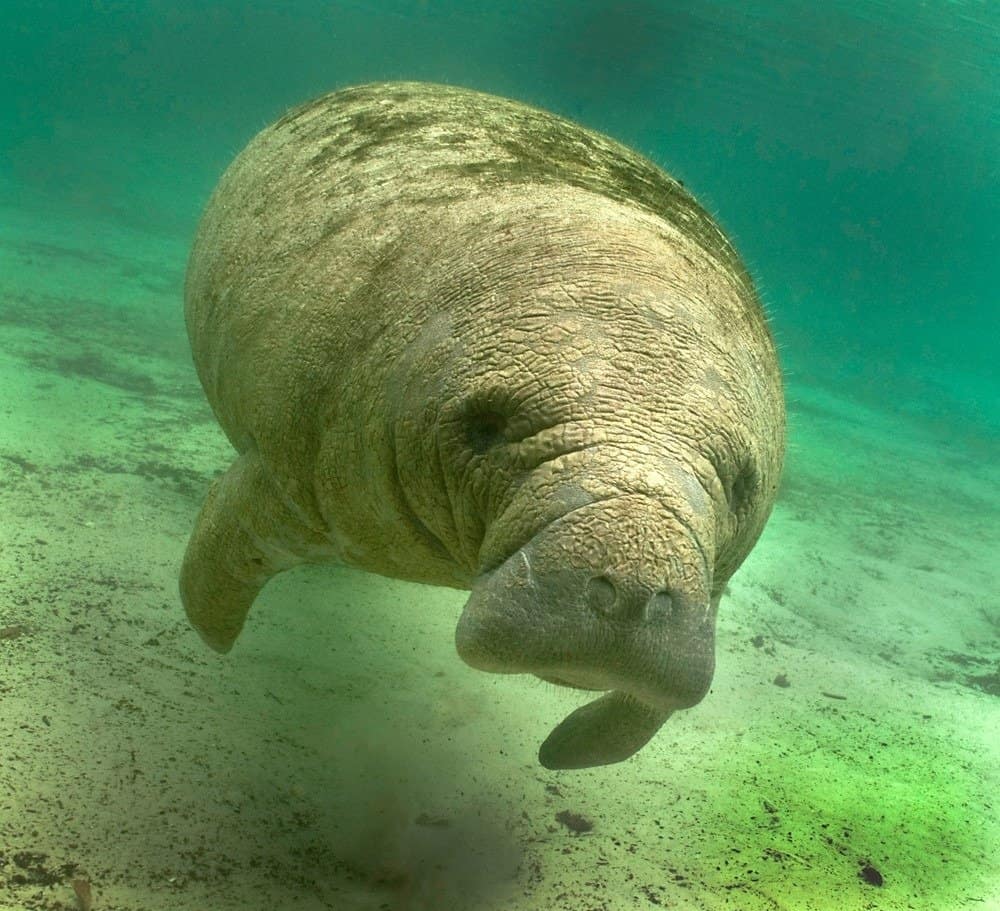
point(342, 756)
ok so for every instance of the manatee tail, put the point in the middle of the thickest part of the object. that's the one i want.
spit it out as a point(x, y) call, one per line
point(604, 731)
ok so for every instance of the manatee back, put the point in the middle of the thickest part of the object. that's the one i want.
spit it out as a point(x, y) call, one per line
point(409, 140)
point(325, 194)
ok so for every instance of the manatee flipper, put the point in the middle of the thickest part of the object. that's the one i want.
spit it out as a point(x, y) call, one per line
point(233, 550)
point(606, 730)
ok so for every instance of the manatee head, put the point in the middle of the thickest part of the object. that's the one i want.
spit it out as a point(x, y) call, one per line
point(581, 451)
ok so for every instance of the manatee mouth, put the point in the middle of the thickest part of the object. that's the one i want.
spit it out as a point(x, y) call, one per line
point(609, 729)
point(560, 681)
point(614, 597)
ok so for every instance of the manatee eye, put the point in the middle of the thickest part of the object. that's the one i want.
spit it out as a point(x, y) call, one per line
point(745, 485)
point(484, 429)
point(741, 486)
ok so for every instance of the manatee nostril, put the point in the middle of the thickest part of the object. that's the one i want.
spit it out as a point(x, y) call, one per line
point(601, 594)
point(660, 607)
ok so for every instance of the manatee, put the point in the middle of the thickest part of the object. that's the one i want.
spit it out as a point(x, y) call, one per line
point(461, 341)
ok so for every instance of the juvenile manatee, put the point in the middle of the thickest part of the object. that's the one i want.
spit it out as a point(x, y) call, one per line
point(462, 341)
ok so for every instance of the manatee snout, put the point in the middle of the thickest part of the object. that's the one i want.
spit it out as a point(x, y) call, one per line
point(626, 613)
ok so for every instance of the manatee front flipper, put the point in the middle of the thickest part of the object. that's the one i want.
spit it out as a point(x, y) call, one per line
point(604, 731)
point(238, 543)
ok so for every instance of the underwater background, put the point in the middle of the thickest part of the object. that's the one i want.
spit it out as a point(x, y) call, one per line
point(848, 755)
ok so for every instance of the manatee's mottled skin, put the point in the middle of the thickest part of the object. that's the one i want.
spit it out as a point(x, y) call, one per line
point(465, 342)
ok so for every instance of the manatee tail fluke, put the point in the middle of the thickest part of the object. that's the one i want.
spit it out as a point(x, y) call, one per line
point(601, 732)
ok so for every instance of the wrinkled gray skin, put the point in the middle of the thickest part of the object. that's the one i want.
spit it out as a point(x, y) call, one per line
point(465, 342)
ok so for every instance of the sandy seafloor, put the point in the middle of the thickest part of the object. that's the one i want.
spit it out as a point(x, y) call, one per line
point(342, 757)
